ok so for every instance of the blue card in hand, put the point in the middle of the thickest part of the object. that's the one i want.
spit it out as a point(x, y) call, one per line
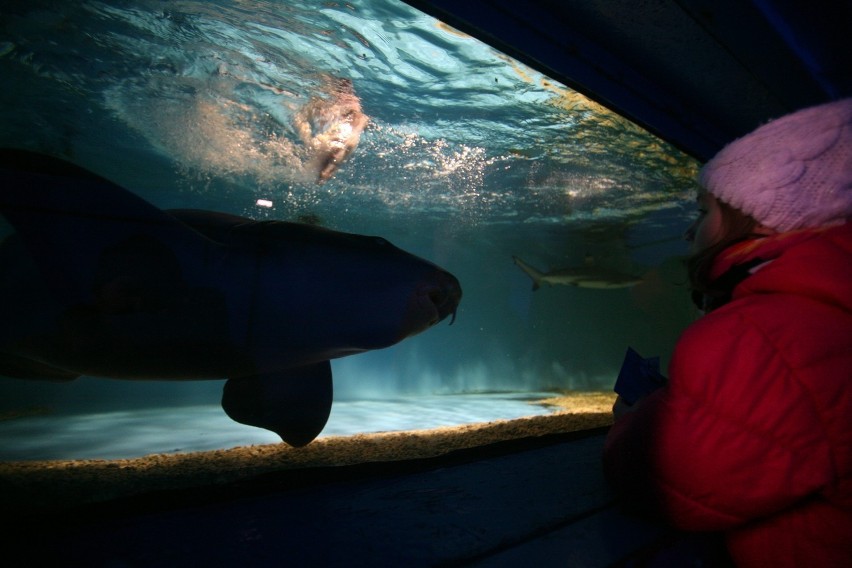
point(638, 377)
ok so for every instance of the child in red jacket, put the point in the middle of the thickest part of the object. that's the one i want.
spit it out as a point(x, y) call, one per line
point(752, 435)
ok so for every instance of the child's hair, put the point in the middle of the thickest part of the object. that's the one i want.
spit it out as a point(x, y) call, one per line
point(736, 227)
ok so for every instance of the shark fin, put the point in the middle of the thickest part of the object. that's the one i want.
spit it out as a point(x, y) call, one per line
point(533, 273)
point(294, 404)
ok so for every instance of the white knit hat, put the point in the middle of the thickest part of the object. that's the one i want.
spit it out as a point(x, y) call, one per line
point(792, 173)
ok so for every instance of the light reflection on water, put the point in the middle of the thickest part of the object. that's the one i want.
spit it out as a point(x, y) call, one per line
point(139, 432)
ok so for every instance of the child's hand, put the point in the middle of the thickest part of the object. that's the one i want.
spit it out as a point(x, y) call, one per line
point(620, 408)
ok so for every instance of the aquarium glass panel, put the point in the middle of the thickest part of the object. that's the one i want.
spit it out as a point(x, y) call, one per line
point(561, 220)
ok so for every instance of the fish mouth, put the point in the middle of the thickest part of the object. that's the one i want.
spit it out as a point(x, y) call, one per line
point(445, 296)
point(432, 302)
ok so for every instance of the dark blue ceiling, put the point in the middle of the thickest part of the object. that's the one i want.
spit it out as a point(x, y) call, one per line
point(698, 73)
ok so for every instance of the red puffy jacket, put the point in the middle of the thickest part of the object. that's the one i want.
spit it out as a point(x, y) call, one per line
point(753, 434)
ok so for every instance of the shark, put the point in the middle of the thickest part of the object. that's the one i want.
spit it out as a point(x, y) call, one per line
point(96, 281)
point(587, 276)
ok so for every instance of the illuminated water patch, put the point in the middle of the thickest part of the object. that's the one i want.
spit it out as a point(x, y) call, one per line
point(135, 433)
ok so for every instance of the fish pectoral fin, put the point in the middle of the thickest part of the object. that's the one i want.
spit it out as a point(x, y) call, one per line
point(294, 404)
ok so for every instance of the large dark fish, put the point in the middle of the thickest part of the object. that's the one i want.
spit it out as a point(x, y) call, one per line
point(95, 281)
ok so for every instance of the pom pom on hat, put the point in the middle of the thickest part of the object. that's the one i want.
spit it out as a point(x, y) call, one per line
point(792, 173)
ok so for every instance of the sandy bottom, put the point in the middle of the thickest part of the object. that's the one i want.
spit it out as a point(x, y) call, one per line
point(31, 486)
point(136, 432)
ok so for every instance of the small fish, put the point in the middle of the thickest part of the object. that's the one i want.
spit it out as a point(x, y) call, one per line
point(586, 276)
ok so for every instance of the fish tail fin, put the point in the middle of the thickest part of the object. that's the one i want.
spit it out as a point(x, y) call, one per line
point(533, 273)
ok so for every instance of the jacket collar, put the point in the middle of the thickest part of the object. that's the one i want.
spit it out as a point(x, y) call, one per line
point(743, 259)
point(765, 249)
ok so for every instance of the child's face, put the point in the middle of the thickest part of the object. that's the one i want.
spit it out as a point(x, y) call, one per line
point(706, 230)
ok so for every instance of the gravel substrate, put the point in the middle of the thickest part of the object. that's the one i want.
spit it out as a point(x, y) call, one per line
point(26, 488)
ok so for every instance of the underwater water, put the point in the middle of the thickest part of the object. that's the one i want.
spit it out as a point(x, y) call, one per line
point(129, 433)
point(468, 159)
